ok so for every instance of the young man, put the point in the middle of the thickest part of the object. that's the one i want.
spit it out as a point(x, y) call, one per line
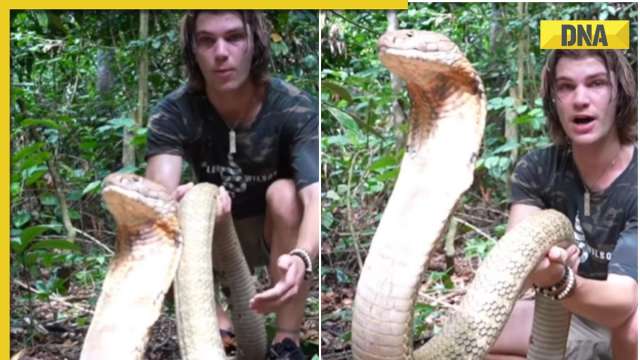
point(590, 175)
point(258, 138)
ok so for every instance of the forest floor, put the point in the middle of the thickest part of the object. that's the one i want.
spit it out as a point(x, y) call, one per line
point(55, 328)
point(439, 292)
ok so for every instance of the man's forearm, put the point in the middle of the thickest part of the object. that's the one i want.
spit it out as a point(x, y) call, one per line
point(609, 303)
point(165, 170)
point(309, 234)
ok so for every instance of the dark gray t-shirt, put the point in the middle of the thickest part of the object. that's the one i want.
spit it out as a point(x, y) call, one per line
point(608, 236)
point(281, 143)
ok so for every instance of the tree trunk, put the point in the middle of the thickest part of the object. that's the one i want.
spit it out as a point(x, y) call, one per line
point(64, 208)
point(143, 88)
point(128, 149)
point(517, 92)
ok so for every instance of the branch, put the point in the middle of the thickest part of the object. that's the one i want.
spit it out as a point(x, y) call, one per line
point(476, 229)
point(55, 298)
point(98, 242)
point(354, 235)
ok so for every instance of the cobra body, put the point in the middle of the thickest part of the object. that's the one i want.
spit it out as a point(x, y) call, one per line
point(447, 124)
point(159, 240)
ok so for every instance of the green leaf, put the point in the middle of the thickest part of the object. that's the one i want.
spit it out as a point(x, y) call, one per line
point(327, 219)
point(28, 235)
point(332, 195)
point(21, 218)
point(122, 122)
point(344, 119)
point(346, 336)
point(74, 214)
point(48, 200)
point(27, 151)
point(389, 175)
point(337, 89)
point(506, 147)
point(56, 244)
point(35, 174)
point(88, 144)
point(92, 187)
point(40, 122)
point(383, 162)
point(522, 108)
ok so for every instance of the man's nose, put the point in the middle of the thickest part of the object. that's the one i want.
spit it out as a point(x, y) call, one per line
point(220, 49)
point(580, 96)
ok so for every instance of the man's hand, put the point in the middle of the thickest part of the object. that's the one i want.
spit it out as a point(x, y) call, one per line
point(551, 269)
point(291, 283)
point(224, 200)
point(179, 192)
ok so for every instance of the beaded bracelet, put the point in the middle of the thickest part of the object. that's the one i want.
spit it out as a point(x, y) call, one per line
point(562, 289)
point(569, 288)
point(306, 259)
point(555, 289)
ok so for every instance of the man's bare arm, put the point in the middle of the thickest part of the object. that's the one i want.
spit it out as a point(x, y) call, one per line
point(165, 170)
point(309, 233)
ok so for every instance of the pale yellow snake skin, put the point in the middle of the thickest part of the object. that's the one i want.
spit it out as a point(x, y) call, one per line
point(157, 242)
point(447, 124)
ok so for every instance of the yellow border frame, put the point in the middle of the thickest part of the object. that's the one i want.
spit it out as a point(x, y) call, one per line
point(200, 4)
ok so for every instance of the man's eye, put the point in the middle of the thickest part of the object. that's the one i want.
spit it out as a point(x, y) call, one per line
point(235, 37)
point(565, 87)
point(599, 83)
point(205, 41)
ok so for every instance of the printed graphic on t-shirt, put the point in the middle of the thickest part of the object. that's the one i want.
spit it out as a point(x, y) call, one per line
point(593, 261)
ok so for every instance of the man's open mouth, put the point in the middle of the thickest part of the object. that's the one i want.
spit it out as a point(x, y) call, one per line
point(583, 119)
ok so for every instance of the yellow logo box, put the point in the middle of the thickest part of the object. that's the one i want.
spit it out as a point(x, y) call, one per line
point(587, 34)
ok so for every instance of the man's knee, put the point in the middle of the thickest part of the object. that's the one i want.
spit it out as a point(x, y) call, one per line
point(628, 332)
point(283, 203)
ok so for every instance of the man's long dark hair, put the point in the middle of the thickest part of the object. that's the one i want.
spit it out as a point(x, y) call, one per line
point(259, 30)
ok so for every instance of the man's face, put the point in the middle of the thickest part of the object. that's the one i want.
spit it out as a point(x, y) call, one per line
point(223, 50)
point(585, 99)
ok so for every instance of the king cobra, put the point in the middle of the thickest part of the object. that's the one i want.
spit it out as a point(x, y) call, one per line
point(159, 240)
point(446, 128)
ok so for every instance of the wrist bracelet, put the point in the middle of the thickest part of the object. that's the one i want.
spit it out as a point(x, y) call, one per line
point(555, 289)
point(306, 259)
point(571, 284)
point(562, 289)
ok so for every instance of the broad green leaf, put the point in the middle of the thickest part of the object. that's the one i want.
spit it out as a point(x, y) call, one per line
point(506, 147)
point(40, 122)
point(56, 244)
point(332, 195)
point(388, 175)
point(383, 162)
point(92, 187)
point(122, 122)
point(48, 200)
point(20, 218)
point(28, 235)
point(337, 89)
point(344, 119)
point(27, 151)
point(327, 219)
point(35, 174)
